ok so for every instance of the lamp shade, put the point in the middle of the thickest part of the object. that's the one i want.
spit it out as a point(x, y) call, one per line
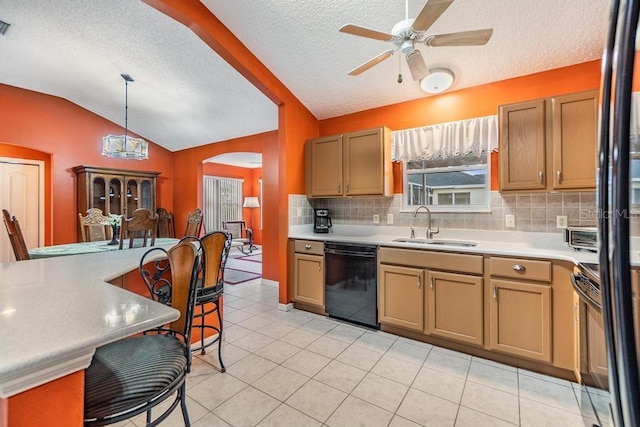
point(251, 202)
point(438, 80)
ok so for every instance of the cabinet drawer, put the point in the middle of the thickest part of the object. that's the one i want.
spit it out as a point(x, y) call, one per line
point(309, 247)
point(521, 268)
point(462, 263)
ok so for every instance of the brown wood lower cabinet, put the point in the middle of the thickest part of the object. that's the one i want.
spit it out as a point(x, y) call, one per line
point(308, 279)
point(455, 307)
point(520, 319)
point(401, 297)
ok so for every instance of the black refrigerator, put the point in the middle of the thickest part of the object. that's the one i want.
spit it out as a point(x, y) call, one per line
point(619, 209)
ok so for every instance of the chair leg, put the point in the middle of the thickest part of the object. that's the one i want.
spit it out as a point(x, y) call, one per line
point(222, 368)
point(203, 351)
point(183, 405)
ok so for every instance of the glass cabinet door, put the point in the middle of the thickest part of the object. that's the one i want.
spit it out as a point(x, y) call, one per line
point(115, 196)
point(146, 195)
point(132, 196)
point(98, 194)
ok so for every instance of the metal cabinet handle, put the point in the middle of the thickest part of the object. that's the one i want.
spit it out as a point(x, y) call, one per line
point(319, 266)
point(495, 292)
point(431, 283)
point(559, 177)
point(419, 281)
point(518, 267)
point(339, 186)
point(307, 246)
point(540, 176)
point(347, 187)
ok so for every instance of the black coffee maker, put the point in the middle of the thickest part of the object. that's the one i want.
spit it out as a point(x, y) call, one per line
point(322, 221)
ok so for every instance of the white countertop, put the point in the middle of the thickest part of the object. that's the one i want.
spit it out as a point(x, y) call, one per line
point(506, 243)
point(55, 312)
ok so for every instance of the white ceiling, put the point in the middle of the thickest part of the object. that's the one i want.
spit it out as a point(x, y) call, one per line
point(185, 95)
point(238, 159)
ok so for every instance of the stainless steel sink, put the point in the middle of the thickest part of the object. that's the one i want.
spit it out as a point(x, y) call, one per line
point(440, 242)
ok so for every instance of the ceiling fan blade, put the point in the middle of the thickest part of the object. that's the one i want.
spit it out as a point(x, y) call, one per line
point(416, 65)
point(429, 14)
point(464, 38)
point(370, 63)
point(357, 30)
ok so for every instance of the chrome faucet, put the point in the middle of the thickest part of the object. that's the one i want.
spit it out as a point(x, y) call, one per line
point(430, 231)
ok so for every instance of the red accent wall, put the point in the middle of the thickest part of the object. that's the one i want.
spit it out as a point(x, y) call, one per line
point(66, 135)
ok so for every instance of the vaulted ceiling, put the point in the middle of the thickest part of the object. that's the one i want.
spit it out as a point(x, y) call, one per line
point(185, 95)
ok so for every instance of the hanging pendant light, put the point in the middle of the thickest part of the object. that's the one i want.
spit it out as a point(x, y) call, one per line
point(124, 146)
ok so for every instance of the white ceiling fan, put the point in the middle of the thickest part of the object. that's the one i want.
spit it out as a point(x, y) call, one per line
point(409, 32)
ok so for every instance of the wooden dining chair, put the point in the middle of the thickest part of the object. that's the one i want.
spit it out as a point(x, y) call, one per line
point(15, 236)
point(134, 375)
point(166, 228)
point(142, 225)
point(94, 227)
point(194, 223)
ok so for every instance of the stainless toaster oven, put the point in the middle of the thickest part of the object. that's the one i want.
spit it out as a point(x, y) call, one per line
point(582, 238)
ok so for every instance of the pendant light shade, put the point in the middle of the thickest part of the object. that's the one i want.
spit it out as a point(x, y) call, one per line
point(124, 146)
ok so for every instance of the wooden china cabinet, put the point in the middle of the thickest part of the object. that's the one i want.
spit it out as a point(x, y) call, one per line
point(115, 191)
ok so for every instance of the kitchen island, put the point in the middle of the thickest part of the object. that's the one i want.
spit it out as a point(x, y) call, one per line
point(54, 313)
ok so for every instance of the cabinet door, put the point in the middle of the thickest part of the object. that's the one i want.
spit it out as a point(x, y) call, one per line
point(401, 297)
point(308, 284)
point(520, 319)
point(575, 128)
point(364, 163)
point(522, 146)
point(324, 164)
point(455, 307)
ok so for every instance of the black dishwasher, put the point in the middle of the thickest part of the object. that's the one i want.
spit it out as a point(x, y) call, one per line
point(351, 284)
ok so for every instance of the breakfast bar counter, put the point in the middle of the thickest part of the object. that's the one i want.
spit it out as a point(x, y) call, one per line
point(54, 313)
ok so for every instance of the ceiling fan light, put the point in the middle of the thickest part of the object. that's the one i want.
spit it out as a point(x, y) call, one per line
point(438, 80)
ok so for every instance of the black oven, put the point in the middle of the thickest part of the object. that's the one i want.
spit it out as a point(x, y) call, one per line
point(592, 352)
point(351, 283)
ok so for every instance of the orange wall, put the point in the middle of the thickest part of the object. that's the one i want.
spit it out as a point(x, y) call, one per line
point(66, 135)
point(468, 103)
point(59, 403)
point(281, 161)
point(251, 187)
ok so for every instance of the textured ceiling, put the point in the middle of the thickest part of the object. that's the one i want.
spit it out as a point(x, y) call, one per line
point(300, 43)
point(185, 95)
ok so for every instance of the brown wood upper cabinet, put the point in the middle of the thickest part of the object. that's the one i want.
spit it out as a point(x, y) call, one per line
point(115, 191)
point(351, 164)
point(549, 143)
point(575, 124)
point(522, 146)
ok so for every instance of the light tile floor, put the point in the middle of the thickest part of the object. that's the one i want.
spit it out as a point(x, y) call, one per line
point(299, 369)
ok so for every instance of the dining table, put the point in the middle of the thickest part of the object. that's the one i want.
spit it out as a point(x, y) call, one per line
point(92, 247)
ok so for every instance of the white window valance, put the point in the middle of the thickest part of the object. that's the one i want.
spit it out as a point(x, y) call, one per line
point(446, 139)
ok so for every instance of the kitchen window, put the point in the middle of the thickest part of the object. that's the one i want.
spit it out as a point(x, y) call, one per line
point(454, 184)
point(446, 166)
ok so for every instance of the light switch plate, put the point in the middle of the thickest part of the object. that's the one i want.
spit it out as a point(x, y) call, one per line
point(510, 221)
point(389, 218)
point(561, 221)
point(376, 219)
